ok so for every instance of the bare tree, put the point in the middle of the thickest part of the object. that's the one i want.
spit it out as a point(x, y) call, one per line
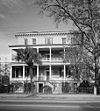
point(85, 16)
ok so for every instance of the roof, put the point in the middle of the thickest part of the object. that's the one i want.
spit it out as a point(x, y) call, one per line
point(36, 33)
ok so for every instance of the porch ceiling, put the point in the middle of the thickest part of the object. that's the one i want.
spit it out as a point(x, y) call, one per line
point(44, 49)
point(57, 49)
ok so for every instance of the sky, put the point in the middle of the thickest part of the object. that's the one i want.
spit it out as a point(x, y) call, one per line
point(22, 16)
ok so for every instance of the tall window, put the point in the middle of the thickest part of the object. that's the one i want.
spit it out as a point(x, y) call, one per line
point(48, 40)
point(33, 41)
point(17, 71)
point(73, 40)
point(27, 71)
point(63, 40)
point(26, 41)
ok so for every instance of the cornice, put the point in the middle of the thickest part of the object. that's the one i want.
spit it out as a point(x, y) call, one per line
point(23, 34)
point(43, 45)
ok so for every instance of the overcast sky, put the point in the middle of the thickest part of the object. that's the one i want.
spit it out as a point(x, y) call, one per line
point(22, 16)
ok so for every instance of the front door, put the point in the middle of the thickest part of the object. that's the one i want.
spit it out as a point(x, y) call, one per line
point(47, 75)
point(40, 87)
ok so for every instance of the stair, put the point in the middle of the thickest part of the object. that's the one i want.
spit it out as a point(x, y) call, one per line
point(47, 83)
point(57, 89)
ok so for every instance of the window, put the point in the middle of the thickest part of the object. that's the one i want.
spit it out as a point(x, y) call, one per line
point(17, 71)
point(33, 41)
point(49, 41)
point(27, 71)
point(63, 40)
point(26, 41)
point(73, 40)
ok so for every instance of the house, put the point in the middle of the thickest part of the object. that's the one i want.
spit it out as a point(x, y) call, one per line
point(53, 71)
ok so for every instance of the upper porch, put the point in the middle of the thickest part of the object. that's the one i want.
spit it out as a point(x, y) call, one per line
point(49, 54)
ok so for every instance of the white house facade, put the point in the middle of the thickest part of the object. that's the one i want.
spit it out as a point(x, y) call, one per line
point(53, 71)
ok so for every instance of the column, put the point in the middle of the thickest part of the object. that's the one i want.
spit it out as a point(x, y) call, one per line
point(37, 66)
point(10, 73)
point(50, 71)
point(64, 54)
point(64, 72)
point(37, 72)
point(64, 66)
point(23, 72)
point(37, 50)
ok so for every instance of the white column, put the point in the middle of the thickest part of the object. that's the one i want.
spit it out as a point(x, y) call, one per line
point(64, 66)
point(50, 65)
point(64, 72)
point(95, 90)
point(64, 53)
point(10, 73)
point(11, 65)
point(23, 72)
point(37, 72)
point(37, 50)
point(50, 71)
point(37, 66)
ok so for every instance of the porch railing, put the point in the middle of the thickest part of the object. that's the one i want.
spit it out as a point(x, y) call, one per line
point(52, 59)
point(44, 78)
point(44, 59)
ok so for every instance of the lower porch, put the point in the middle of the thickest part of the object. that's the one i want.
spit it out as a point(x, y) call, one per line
point(42, 73)
point(53, 76)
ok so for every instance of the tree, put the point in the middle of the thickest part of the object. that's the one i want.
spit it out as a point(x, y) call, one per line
point(4, 69)
point(30, 57)
point(85, 16)
point(79, 62)
point(73, 54)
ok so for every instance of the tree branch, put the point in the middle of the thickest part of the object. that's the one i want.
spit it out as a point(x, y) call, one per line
point(73, 19)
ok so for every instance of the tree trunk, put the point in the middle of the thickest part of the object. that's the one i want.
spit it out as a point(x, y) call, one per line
point(31, 77)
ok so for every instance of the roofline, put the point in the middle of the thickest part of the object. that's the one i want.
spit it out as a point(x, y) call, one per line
point(44, 45)
point(42, 33)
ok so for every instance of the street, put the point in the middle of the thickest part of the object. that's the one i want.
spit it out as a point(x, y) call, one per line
point(37, 104)
point(39, 107)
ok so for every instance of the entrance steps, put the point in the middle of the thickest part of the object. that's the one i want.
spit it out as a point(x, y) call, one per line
point(48, 84)
point(57, 89)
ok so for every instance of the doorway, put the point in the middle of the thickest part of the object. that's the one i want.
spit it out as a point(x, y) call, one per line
point(47, 75)
point(40, 87)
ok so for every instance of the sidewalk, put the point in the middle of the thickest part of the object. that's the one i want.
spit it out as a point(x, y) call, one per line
point(15, 95)
point(72, 97)
point(52, 96)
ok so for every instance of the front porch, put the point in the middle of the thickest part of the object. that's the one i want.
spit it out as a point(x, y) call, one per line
point(50, 75)
point(42, 73)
